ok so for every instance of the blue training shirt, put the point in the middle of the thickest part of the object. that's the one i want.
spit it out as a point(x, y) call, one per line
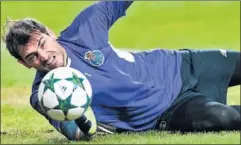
point(130, 90)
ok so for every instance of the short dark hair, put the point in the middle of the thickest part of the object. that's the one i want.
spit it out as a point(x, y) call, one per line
point(17, 34)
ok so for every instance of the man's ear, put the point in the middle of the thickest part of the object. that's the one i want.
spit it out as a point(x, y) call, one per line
point(51, 33)
point(23, 63)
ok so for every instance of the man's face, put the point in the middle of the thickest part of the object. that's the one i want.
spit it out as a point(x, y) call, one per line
point(43, 53)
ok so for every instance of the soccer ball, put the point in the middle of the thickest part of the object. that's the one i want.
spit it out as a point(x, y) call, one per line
point(64, 94)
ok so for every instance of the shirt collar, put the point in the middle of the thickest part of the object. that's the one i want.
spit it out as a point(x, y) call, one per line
point(68, 62)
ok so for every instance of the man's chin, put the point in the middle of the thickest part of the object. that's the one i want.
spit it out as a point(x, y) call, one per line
point(45, 69)
point(54, 67)
point(49, 68)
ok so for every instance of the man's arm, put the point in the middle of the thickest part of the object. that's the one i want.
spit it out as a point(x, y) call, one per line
point(68, 128)
point(82, 128)
point(90, 28)
point(112, 11)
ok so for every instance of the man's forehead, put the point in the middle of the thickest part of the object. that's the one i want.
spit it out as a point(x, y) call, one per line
point(35, 37)
point(33, 41)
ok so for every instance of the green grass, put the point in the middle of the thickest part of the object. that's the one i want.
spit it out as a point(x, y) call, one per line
point(147, 25)
point(21, 124)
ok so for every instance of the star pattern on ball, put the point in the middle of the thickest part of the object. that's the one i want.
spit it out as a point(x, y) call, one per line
point(65, 104)
point(44, 108)
point(88, 101)
point(78, 82)
point(49, 83)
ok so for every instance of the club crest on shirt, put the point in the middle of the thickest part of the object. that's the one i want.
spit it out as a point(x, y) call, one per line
point(95, 57)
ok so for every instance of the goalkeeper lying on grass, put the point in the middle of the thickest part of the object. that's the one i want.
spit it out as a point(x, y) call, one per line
point(182, 90)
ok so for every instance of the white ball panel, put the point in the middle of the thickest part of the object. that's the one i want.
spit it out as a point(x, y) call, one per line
point(59, 89)
point(88, 88)
point(75, 113)
point(79, 97)
point(49, 99)
point(56, 114)
point(81, 75)
point(63, 73)
point(48, 75)
point(86, 82)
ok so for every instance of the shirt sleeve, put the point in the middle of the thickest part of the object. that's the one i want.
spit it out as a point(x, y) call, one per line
point(90, 28)
point(67, 128)
point(112, 11)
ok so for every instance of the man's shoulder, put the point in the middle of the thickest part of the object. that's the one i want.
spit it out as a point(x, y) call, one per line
point(39, 76)
point(37, 79)
point(36, 82)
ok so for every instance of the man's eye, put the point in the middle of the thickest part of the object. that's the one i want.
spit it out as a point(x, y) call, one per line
point(32, 57)
point(42, 44)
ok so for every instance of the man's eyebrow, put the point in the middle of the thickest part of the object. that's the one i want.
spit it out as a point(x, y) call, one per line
point(39, 41)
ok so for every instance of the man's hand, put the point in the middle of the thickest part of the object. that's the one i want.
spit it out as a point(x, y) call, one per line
point(87, 124)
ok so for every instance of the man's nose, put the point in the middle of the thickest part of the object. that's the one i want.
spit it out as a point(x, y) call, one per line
point(43, 56)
